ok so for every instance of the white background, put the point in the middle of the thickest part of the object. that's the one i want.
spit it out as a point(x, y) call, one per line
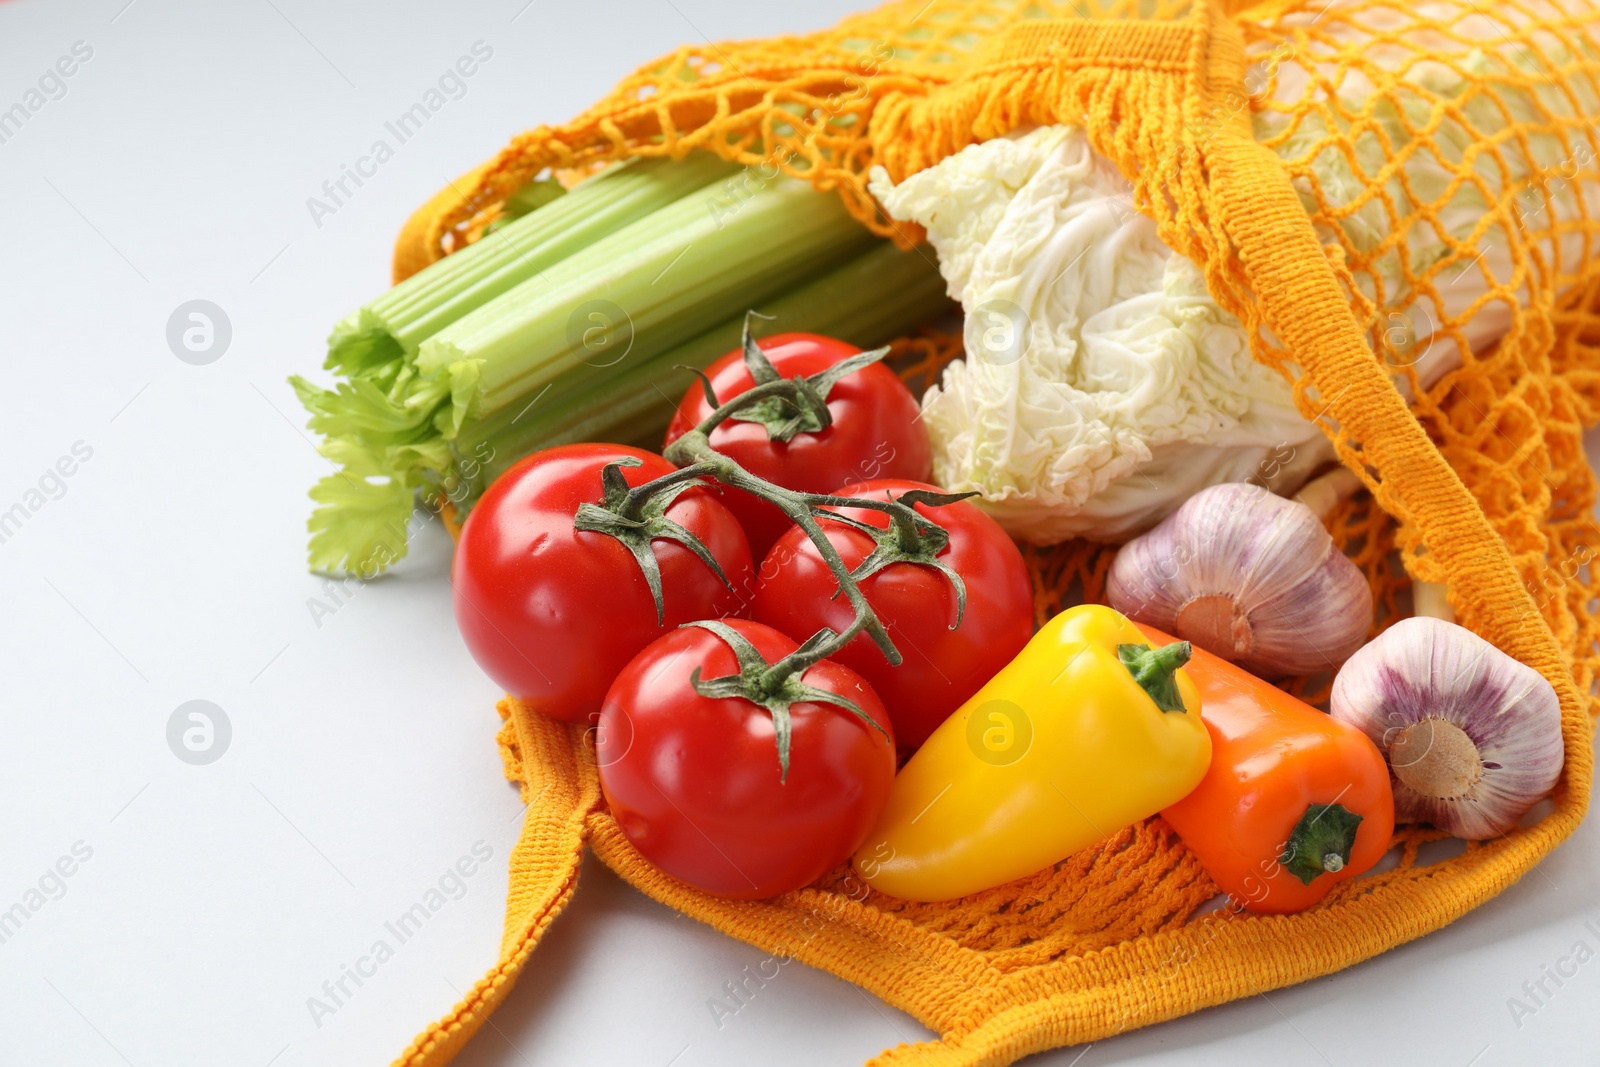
point(219, 898)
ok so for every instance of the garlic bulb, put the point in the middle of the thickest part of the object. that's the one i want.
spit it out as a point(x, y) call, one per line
point(1247, 576)
point(1473, 737)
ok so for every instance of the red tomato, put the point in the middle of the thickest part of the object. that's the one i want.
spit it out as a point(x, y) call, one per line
point(875, 432)
point(694, 781)
point(942, 667)
point(551, 612)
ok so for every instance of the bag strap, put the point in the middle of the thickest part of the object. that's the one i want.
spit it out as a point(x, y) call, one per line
point(541, 753)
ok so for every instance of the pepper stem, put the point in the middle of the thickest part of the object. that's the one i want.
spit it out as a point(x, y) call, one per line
point(1155, 669)
point(1320, 842)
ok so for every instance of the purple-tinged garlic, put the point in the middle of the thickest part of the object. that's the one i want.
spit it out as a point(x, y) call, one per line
point(1247, 576)
point(1473, 737)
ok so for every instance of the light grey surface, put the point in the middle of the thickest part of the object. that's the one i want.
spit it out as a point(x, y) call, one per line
point(218, 898)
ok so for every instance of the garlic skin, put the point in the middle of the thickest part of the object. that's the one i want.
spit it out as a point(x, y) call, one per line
point(1473, 737)
point(1248, 576)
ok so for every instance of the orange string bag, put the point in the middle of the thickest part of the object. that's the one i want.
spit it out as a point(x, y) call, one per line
point(1229, 122)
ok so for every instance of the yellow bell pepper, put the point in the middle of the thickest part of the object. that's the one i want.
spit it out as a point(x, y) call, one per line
point(1086, 732)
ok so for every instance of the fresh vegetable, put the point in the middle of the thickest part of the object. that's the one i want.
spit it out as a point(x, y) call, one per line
point(872, 429)
point(1087, 731)
point(1249, 576)
point(579, 551)
point(1102, 385)
point(1430, 157)
point(583, 309)
point(691, 774)
point(808, 398)
point(955, 634)
point(1473, 737)
point(734, 758)
point(506, 349)
point(554, 596)
point(539, 553)
point(1293, 803)
point(876, 297)
point(539, 192)
point(543, 233)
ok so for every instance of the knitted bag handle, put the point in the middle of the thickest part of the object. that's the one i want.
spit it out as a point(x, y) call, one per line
point(544, 869)
point(1160, 96)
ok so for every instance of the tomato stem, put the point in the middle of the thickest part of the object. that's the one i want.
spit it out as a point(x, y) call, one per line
point(694, 449)
point(638, 526)
point(784, 390)
point(633, 504)
point(785, 407)
point(754, 683)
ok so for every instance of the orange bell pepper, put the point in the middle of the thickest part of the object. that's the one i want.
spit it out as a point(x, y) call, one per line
point(1294, 801)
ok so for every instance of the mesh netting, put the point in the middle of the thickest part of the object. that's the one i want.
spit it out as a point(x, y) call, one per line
point(1384, 194)
point(1447, 155)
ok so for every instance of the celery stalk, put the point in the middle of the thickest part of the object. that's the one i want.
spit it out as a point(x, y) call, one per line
point(401, 319)
point(662, 281)
point(446, 365)
point(534, 195)
point(869, 301)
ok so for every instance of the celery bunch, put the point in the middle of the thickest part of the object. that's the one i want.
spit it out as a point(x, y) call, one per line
point(567, 323)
